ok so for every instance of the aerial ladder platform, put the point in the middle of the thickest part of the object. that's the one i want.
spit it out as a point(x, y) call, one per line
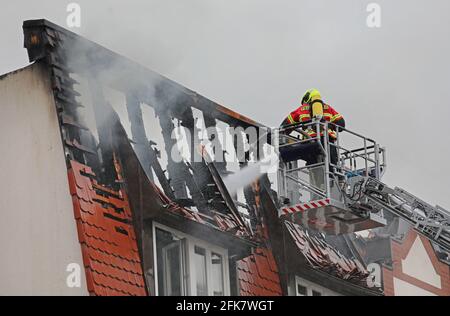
point(334, 185)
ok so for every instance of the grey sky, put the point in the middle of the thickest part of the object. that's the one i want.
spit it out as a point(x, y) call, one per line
point(258, 56)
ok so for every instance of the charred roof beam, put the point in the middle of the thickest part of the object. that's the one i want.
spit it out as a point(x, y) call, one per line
point(180, 176)
point(141, 143)
point(104, 117)
point(213, 134)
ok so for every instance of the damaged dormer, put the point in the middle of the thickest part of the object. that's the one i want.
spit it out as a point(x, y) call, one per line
point(141, 215)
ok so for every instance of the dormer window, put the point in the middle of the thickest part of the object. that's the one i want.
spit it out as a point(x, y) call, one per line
point(188, 266)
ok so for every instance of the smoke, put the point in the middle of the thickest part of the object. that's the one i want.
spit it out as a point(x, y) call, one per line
point(251, 173)
point(218, 47)
point(104, 80)
point(243, 177)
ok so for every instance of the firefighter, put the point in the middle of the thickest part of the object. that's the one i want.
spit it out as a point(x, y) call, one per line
point(312, 107)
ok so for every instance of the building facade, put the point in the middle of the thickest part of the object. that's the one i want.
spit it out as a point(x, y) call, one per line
point(95, 203)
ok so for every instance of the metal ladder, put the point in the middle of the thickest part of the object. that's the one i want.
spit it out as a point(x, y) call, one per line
point(433, 222)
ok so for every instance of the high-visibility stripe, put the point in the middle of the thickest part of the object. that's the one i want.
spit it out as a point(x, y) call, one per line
point(332, 133)
point(312, 133)
point(291, 119)
point(336, 117)
point(302, 116)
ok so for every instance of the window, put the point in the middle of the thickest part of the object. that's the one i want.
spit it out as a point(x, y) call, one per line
point(217, 274)
point(200, 271)
point(301, 290)
point(307, 288)
point(189, 266)
point(171, 268)
point(316, 293)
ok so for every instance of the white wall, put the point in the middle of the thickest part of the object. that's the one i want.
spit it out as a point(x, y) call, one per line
point(38, 236)
point(418, 265)
point(403, 288)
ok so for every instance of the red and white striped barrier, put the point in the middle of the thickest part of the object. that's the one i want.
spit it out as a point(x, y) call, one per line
point(305, 206)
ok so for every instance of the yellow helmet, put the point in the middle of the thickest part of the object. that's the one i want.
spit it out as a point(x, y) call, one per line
point(310, 95)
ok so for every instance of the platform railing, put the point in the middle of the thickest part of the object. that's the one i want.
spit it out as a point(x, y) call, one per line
point(327, 173)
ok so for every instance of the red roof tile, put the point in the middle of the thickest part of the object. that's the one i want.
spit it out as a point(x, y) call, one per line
point(223, 222)
point(108, 242)
point(322, 256)
point(257, 274)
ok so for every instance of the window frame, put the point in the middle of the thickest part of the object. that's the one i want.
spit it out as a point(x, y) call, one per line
point(180, 246)
point(224, 263)
point(189, 243)
point(310, 287)
point(194, 272)
point(297, 285)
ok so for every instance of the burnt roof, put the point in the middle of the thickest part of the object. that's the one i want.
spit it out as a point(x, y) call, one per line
point(51, 44)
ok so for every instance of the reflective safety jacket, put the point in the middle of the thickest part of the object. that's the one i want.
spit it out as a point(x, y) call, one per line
point(303, 114)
